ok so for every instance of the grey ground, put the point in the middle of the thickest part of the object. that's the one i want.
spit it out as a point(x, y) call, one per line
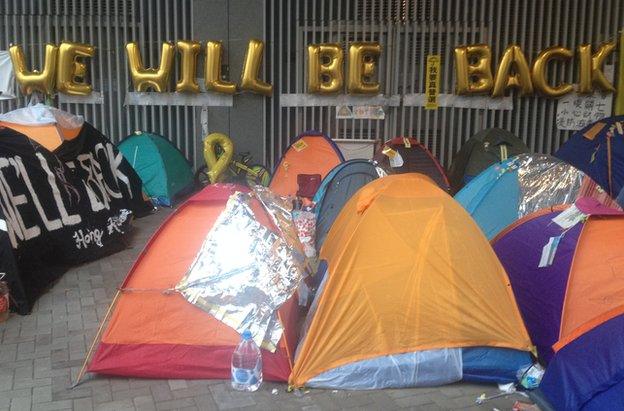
point(41, 354)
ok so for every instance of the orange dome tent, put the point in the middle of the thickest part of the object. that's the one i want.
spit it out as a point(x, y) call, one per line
point(311, 153)
point(410, 279)
point(156, 334)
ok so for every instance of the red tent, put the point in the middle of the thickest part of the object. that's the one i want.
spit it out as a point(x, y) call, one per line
point(159, 334)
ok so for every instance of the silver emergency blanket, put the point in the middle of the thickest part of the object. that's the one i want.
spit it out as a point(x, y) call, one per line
point(545, 181)
point(244, 272)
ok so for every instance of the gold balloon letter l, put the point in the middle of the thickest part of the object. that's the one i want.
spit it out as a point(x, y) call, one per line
point(325, 77)
point(143, 78)
point(30, 81)
point(212, 75)
point(590, 72)
point(476, 76)
point(251, 69)
point(362, 56)
point(69, 68)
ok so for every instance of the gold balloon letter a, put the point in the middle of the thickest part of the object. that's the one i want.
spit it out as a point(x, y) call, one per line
point(590, 72)
point(362, 56)
point(143, 78)
point(69, 68)
point(521, 79)
point(251, 69)
point(212, 75)
point(325, 77)
point(473, 66)
point(30, 81)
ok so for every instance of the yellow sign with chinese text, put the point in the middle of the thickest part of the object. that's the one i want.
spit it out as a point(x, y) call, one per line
point(432, 82)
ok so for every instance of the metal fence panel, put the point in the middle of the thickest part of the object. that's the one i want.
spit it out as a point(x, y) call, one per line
point(108, 25)
point(408, 32)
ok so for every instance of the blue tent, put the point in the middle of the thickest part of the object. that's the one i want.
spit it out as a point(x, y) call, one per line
point(518, 186)
point(598, 150)
point(588, 373)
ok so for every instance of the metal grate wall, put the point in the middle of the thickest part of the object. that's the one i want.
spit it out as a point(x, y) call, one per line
point(108, 25)
point(409, 31)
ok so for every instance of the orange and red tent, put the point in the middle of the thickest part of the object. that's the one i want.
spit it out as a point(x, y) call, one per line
point(158, 334)
point(311, 153)
point(408, 272)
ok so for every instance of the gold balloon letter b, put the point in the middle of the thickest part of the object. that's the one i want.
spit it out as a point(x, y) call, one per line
point(324, 77)
point(473, 67)
point(30, 81)
point(144, 78)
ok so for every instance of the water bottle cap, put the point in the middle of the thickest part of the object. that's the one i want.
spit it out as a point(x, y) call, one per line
point(246, 335)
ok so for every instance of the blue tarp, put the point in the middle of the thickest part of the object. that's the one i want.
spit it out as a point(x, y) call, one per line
point(588, 150)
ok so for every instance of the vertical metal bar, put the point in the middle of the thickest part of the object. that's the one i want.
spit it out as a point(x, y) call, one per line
point(275, 26)
point(288, 83)
point(117, 48)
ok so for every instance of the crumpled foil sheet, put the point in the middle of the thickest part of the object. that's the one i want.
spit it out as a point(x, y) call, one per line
point(545, 181)
point(244, 272)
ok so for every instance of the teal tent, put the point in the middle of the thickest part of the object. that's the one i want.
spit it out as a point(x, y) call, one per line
point(165, 172)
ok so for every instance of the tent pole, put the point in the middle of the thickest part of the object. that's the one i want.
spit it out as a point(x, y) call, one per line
point(95, 340)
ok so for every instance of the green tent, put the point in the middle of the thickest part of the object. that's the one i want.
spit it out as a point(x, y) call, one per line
point(164, 170)
point(481, 151)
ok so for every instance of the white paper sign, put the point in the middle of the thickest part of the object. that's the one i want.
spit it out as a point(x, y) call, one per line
point(548, 252)
point(575, 111)
point(569, 217)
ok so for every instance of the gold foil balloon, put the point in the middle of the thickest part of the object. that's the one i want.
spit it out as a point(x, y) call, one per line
point(70, 68)
point(521, 78)
point(30, 81)
point(212, 75)
point(538, 71)
point(189, 51)
point(216, 166)
point(325, 76)
point(473, 68)
point(362, 60)
point(590, 70)
point(251, 69)
point(145, 78)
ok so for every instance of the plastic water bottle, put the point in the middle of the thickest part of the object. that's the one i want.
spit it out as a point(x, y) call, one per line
point(246, 365)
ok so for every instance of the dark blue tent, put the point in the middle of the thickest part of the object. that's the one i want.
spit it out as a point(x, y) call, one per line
point(336, 189)
point(598, 150)
point(588, 373)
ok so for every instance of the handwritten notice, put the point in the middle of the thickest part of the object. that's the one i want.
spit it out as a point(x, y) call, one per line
point(575, 111)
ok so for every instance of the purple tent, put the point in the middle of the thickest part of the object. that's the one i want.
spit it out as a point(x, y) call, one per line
point(539, 292)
